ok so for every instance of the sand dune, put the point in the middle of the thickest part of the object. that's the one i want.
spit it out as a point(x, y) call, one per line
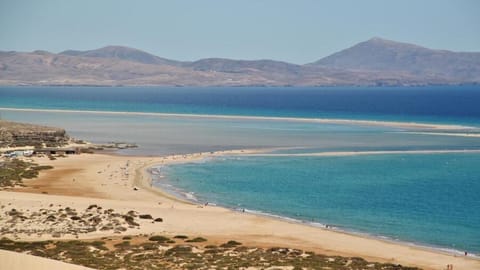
point(17, 261)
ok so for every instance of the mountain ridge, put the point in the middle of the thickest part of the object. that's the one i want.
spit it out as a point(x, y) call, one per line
point(379, 54)
point(376, 61)
point(122, 52)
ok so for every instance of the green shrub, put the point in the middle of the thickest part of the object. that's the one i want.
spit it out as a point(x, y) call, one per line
point(230, 244)
point(159, 239)
point(197, 240)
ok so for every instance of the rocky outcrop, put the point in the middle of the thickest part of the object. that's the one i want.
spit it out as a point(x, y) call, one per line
point(14, 134)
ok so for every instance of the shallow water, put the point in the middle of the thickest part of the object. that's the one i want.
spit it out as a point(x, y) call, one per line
point(423, 198)
point(159, 135)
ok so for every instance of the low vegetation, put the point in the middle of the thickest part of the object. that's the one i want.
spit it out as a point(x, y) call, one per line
point(13, 171)
point(159, 252)
point(58, 221)
point(196, 240)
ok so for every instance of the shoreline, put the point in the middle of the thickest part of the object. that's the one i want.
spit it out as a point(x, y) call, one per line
point(213, 222)
point(365, 153)
point(180, 194)
point(382, 238)
point(393, 124)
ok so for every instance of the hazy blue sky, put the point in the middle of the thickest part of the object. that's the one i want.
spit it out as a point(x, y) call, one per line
point(298, 31)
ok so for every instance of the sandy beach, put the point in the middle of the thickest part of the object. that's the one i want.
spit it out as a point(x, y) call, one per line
point(122, 184)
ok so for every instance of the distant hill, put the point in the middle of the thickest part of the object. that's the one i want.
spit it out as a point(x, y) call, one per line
point(123, 53)
point(373, 62)
point(383, 55)
point(228, 65)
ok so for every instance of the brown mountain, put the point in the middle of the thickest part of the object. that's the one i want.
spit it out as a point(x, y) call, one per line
point(123, 53)
point(383, 55)
point(374, 62)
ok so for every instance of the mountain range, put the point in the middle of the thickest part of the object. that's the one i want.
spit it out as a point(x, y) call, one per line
point(370, 63)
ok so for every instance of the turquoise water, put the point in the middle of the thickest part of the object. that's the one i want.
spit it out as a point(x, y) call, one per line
point(427, 199)
point(430, 199)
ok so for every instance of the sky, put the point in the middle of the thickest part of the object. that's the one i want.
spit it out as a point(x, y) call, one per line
point(297, 31)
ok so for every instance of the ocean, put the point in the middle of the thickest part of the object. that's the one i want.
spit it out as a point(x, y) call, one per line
point(427, 199)
point(421, 198)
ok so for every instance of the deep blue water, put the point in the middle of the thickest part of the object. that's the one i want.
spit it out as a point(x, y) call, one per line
point(450, 104)
point(431, 199)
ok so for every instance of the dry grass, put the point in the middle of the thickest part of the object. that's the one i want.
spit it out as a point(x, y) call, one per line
point(159, 252)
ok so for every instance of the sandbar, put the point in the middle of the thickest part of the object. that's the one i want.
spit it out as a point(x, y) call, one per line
point(393, 124)
point(373, 152)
